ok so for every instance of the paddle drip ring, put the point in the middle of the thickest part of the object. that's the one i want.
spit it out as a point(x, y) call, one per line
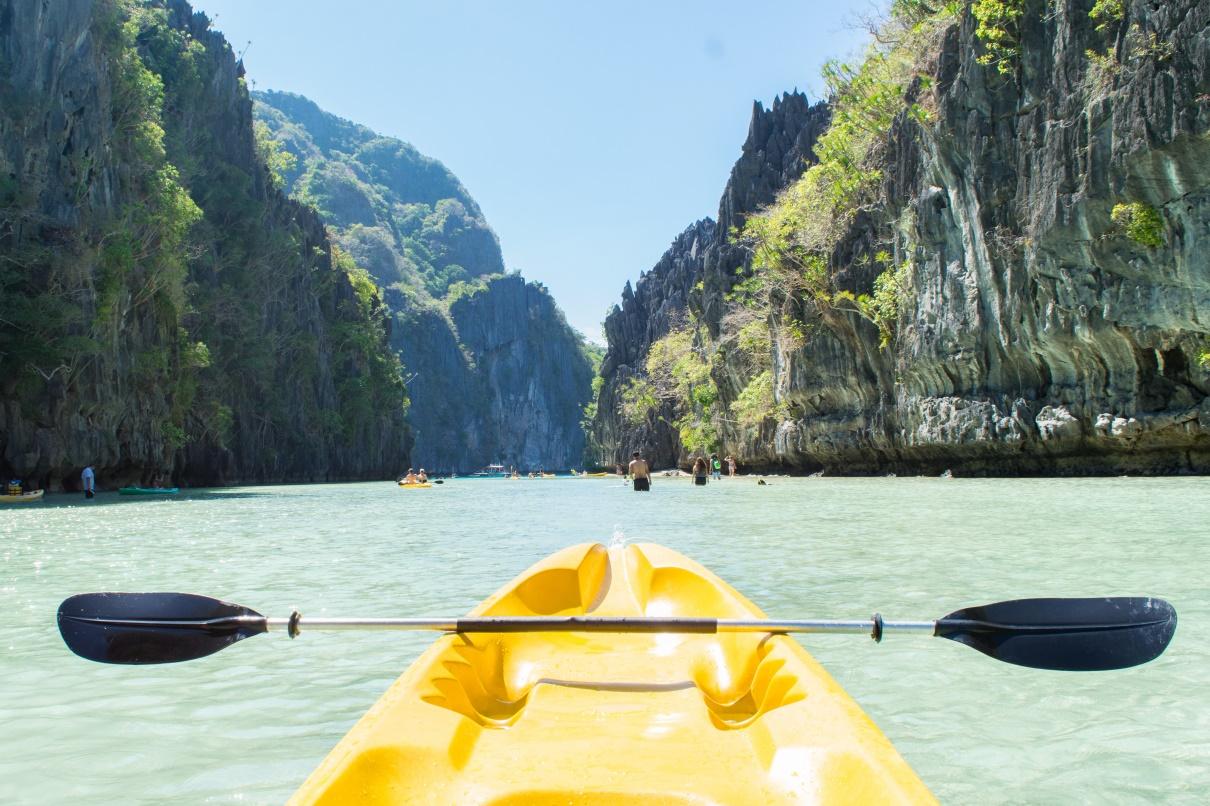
point(292, 625)
point(876, 632)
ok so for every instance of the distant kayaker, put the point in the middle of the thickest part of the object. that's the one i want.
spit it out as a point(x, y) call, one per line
point(716, 467)
point(731, 466)
point(88, 481)
point(700, 470)
point(422, 477)
point(14, 487)
point(410, 478)
point(640, 472)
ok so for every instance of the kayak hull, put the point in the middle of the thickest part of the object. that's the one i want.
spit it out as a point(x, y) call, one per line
point(417, 486)
point(149, 490)
point(22, 498)
point(615, 718)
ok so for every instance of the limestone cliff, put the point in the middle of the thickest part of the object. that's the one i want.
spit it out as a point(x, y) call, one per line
point(164, 308)
point(494, 372)
point(1049, 220)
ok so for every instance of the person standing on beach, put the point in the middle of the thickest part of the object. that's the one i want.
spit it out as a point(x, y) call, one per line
point(716, 467)
point(88, 480)
point(640, 473)
point(731, 466)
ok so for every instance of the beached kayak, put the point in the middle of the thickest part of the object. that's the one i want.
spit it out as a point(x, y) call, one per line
point(149, 491)
point(601, 718)
point(21, 498)
point(420, 485)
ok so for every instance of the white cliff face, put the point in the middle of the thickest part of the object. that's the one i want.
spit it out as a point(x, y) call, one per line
point(1035, 336)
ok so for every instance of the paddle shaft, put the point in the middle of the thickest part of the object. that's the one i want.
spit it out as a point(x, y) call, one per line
point(621, 624)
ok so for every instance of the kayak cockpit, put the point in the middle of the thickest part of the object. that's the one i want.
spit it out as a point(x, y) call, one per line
point(584, 717)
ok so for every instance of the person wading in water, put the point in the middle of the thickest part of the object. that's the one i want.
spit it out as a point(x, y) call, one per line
point(640, 473)
point(700, 470)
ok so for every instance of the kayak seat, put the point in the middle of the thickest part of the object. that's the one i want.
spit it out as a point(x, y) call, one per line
point(567, 590)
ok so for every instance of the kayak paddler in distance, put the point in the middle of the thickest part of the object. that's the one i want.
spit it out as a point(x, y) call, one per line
point(640, 473)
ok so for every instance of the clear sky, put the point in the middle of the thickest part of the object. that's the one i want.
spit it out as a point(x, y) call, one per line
point(591, 134)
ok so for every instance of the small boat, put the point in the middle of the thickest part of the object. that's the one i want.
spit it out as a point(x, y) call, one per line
point(21, 498)
point(149, 490)
point(417, 485)
point(491, 471)
point(594, 475)
point(595, 717)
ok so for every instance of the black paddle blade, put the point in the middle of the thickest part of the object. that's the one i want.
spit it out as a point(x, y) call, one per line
point(1078, 635)
point(152, 627)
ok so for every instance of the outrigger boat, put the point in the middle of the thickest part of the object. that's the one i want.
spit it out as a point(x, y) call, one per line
point(21, 498)
point(627, 674)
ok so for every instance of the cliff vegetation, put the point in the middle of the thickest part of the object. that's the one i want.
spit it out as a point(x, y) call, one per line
point(986, 258)
point(164, 309)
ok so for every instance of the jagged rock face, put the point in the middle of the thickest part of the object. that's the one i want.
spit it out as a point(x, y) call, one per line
point(779, 147)
point(658, 304)
point(779, 143)
point(1035, 337)
point(502, 380)
point(111, 405)
point(495, 376)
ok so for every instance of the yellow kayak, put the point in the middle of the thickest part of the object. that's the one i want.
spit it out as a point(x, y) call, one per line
point(21, 498)
point(604, 718)
point(420, 485)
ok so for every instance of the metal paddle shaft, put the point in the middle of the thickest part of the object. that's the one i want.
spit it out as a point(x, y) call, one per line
point(1071, 634)
point(606, 624)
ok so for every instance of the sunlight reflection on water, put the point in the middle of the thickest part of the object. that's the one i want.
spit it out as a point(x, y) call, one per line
point(250, 723)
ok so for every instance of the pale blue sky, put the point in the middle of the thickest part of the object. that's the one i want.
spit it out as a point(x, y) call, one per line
point(590, 134)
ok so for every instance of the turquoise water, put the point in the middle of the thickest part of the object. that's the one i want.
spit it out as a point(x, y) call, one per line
point(248, 724)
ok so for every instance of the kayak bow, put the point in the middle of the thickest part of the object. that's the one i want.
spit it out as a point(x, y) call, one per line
point(607, 717)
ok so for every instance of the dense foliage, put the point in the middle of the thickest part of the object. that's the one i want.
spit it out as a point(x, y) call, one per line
point(402, 215)
point(191, 301)
point(793, 241)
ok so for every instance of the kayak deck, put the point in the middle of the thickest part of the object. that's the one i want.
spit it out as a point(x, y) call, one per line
point(592, 718)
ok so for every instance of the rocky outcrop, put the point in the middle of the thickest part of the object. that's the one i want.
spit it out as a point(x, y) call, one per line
point(500, 379)
point(493, 370)
point(164, 309)
point(1035, 334)
point(658, 303)
point(776, 152)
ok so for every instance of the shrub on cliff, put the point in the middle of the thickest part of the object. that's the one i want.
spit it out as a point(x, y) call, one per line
point(794, 241)
point(1139, 222)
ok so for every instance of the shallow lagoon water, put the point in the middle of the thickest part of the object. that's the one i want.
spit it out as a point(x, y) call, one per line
point(248, 724)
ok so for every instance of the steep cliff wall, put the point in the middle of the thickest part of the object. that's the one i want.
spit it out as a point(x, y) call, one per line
point(535, 375)
point(163, 307)
point(494, 372)
point(776, 152)
point(1042, 213)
